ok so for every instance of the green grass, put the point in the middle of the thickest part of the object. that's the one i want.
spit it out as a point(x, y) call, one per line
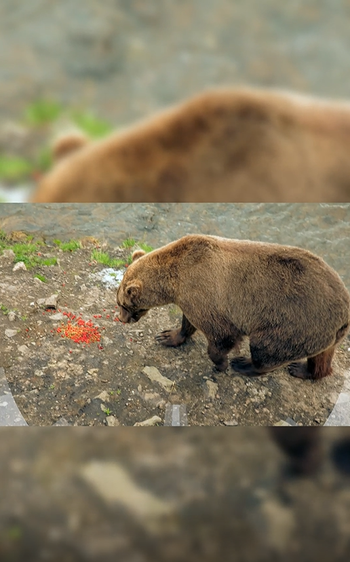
point(27, 252)
point(70, 246)
point(40, 277)
point(14, 168)
point(42, 112)
point(128, 243)
point(4, 309)
point(43, 161)
point(14, 533)
point(145, 247)
point(91, 125)
point(22, 250)
point(105, 259)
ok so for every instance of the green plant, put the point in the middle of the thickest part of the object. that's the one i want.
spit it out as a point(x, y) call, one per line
point(105, 259)
point(40, 277)
point(43, 160)
point(14, 533)
point(48, 261)
point(91, 125)
point(42, 112)
point(4, 309)
point(145, 247)
point(14, 168)
point(128, 243)
point(70, 246)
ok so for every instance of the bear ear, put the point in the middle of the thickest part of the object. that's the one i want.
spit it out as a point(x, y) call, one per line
point(133, 290)
point(138, 254)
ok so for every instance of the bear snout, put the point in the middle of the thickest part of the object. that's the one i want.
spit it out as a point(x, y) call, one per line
point(124, 315)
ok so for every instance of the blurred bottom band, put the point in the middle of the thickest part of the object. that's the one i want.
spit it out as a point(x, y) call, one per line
point(174, 494)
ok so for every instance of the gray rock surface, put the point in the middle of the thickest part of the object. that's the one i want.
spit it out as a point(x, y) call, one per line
point(127, 58)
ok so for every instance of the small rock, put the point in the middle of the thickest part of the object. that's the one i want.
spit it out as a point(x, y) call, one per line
point(11, 333)
point(8, 254)
point(230, 422)
point(58, 316)
point(148, 423)
point(61, 422)
point(51, 302)
point(23, 349)
point(103, 396)
point(112, 421)
point(155, 376)
point(283, 423)
point(38, 281)
point(11, 316)
point(20, 265)
point(211, 389)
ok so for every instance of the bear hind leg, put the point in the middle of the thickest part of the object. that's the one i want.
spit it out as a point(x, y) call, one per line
point(314, 368)
point(263, 359)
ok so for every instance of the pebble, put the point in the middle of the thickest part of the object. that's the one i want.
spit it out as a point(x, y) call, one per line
point(112, 421)
point(8, 254)
point(55, 317)
point(21, 266)
point(11, 333)
point(51, 302)
point(103, 396)
point(211, 389)
point(148, 423)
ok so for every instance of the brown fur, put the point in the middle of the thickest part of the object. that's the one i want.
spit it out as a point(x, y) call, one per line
point(68, 144)
point(225, 145)
point(305, 450)
point(302, 445)
point(289, 302)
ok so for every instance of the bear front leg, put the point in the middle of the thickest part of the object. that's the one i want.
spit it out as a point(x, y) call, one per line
point(174, 338)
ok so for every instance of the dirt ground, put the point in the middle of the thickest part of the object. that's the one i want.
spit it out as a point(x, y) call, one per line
point(107, 382)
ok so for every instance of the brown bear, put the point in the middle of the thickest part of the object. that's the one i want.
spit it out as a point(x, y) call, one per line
point(288, 301)
point(234, 145)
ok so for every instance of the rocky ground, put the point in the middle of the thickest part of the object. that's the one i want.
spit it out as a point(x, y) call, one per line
point(126, 378)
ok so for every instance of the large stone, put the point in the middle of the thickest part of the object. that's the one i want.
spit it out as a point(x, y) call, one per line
point(115, 485)
point(155, 376)
point(11, 333)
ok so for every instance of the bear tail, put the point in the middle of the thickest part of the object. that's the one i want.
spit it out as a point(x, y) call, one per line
point(67, 144)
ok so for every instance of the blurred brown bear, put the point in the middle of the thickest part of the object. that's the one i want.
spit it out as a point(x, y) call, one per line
point(234, 145)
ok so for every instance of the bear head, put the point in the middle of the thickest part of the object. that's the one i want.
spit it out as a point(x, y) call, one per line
point(129, 294)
